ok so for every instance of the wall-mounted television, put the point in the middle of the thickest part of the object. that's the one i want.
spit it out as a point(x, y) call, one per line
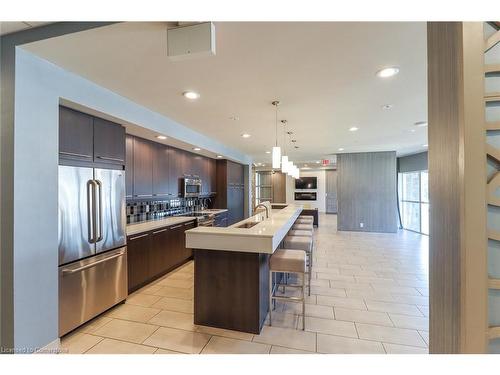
point(306, 183)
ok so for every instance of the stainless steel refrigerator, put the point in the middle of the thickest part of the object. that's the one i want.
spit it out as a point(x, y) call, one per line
point(92, 239)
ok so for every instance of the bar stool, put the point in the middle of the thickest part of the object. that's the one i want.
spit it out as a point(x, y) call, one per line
point(301, 243)
point(300, 233)
point(287, 261)
point(308, 227)
point(304, 220)
point(304, 233)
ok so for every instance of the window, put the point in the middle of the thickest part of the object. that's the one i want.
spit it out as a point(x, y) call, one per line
point(413, 190)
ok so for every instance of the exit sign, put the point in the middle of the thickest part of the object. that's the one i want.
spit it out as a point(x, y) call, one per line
point(325, 162)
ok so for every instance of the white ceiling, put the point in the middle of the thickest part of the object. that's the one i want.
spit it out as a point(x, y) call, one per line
point(323, 74)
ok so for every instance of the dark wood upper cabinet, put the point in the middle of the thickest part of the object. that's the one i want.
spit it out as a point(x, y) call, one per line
point(230, 190)
point(129, 166)
point(161, 185)
point(211, 172)
point(198, 166)
point(143, 168)
point(109, 142)
point(156, 170)
point(89, 140)
point(75, 135)
point(175, 167)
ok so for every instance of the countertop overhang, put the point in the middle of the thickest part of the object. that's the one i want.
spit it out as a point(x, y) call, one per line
point(264, 237)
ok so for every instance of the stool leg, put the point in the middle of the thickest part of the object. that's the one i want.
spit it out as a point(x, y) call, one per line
point(312, 248)
point(310, 272)
point(270, 298)
point(304, 302)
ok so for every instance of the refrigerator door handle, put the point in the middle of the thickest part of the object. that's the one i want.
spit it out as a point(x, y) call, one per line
point(91, 210)
point(90, 265)
point(99, 212)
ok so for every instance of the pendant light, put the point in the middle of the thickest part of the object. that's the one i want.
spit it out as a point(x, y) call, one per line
point(276, 148)
point(284, 158)
point(290, 166)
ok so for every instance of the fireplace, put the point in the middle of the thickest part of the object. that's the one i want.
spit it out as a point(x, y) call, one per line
point(305, 196)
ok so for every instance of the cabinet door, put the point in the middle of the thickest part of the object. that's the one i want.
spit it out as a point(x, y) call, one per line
point(278, 187)
point(175, 159)
point(187, 252)
point(177, 253)
point(205, 179)
point(159, 254)
point(161, 185)
point(143, 168)
point(231, 205)
point(212, 178)
point(75, 135)
point(198, 167)
point(109, 142)
point(138, 248)
point(129, 166)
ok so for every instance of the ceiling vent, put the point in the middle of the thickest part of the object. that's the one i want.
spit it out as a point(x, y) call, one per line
point(191, 41)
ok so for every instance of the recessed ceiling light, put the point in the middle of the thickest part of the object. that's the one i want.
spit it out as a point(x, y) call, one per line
point(219, 156)
point(421, 124)
point(191, 95)
point(353, 128)
point(387, 106)
point(426, 145)
point(341, 149)
point(263, 165)
point(197, 149)
point(268, 152)
point(388, 72)
point(162, 137)
point(318, 162)
point(246, 135)
point(412, 130)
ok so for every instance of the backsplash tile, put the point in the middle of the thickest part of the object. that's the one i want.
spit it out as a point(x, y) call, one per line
point(138, 211)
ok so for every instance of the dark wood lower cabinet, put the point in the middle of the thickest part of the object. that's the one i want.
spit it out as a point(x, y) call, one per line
point(231, 289)
point(138, 249)
point(160, 254)
point(154, 253)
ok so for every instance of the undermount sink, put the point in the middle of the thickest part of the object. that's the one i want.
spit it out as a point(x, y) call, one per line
point(249, 224)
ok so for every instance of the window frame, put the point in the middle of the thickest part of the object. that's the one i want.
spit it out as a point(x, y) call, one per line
point(401, 192)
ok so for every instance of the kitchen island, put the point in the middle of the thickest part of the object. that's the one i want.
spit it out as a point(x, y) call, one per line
point(231, 279)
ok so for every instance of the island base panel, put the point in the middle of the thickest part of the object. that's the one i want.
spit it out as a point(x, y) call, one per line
point(231, 289)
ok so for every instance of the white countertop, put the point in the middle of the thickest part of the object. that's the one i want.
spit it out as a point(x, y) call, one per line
point(145, 226)
point(263, 237)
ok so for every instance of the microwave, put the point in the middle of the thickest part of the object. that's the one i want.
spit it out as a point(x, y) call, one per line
point(191, 187)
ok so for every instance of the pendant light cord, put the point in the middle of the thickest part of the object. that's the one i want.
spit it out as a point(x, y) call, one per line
point(276, 123)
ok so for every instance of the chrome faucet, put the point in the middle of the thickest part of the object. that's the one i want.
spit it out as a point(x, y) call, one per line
point(263, 205)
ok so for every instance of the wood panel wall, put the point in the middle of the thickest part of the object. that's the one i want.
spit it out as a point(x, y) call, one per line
point(367, 192)
point(457, 243)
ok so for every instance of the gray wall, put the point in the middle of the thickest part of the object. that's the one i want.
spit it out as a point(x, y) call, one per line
point(411, 163)
point(367, 192)
point(31, 313)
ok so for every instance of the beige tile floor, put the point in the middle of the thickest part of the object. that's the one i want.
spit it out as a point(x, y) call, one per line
point(369, 295)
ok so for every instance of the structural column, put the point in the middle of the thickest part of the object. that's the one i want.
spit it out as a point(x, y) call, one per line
point(457, 175)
